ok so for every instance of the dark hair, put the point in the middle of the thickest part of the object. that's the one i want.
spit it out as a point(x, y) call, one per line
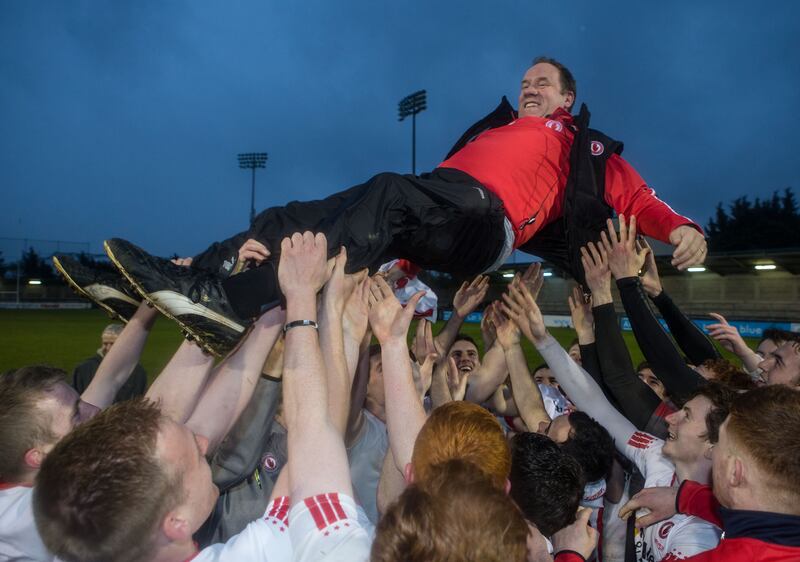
point(539, 367)
point(721, 397)
point(568, 83)
point(465, 337)
point(776, 335)
point(546, 483)
point(591, 445)
point(642, 366)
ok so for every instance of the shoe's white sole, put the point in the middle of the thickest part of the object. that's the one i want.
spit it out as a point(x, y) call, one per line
point(79, 290)
point(198, 338)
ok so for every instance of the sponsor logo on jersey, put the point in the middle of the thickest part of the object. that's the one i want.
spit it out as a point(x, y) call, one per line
point(597, 148)
point(664, 530)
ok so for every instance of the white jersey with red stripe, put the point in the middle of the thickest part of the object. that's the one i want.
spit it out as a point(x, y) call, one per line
point(266, 539)
point(328, 527)
point(19, 539)
point(679, 536)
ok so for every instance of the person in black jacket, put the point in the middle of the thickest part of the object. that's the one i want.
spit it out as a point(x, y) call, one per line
point(136, 385)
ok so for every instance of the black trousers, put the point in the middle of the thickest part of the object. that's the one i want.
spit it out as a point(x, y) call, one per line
point(443, 221)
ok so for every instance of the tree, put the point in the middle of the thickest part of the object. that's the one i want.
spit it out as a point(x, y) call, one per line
point(758, 225)
point(35, 267)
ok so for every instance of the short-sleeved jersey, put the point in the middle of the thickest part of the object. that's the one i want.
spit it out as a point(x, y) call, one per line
point(328, 528)
point(265, 539)
point(679, 536)
point(19, 539)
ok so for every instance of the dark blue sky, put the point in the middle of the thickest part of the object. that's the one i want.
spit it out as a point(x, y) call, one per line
point(124, 118)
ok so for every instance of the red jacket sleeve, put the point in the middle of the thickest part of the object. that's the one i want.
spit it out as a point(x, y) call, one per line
point(697, 499)
point(628, 194)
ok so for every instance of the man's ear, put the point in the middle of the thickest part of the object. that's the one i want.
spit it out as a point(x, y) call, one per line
point(507, 486)
point(408, 473)
point(176, 527)
point(570, 101)
point(34, 458)
point(737, 477)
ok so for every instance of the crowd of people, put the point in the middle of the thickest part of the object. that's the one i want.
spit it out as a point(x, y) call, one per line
point(323, 430)
point(311, 442)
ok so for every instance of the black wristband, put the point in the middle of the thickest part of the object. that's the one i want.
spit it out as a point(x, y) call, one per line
point(297, 323)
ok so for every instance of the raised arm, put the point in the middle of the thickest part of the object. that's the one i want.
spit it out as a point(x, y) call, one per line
point(405, 415)
point(577, 384)
point(625, 260)
point(628, 194)
point(690, 338)
point(468, 297)
point(317, 456)
point(234, 380)
point(527, 397)
point(632, 396)
point(729, 338)
point(121, 359)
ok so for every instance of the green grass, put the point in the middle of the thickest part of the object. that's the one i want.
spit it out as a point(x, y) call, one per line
point(64, 338)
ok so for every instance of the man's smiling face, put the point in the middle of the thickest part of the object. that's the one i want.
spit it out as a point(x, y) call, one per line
point(541, 93)
point(465, 354)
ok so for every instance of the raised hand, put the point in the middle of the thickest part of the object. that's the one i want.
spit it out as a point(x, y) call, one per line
point(690, 247)
point(598, 275)
point(488, 330)
point(651, 282)
point(507, 331)
point(303, 267)
point(582, 319)
point(356, 311)
point(728, 336)
point(519, 305)
point(388, 318)
point(470, 295)
point(422, 346)
point(624, 259)
point(456, 380)
point(533, 279)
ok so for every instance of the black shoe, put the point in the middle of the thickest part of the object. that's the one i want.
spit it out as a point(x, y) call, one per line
point(107, 289)
point(193, 299)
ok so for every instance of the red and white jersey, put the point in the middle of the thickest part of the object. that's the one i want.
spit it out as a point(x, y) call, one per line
point(19, 539)
point(266, 539)
point(680, 536)
point(328, 527)
point(409, 285)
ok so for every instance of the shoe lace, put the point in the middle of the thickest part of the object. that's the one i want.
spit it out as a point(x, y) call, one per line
point(204, 283)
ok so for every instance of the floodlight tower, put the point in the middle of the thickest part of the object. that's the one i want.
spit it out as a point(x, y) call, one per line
point(411, 105)
point(252, 160)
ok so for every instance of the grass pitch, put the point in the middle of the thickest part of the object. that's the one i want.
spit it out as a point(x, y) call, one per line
point(65, 338)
